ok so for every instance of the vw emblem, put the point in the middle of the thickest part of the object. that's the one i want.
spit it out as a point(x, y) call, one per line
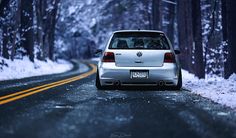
point(139, 54)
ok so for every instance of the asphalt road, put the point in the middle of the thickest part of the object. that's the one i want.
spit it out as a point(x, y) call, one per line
point(73, 108)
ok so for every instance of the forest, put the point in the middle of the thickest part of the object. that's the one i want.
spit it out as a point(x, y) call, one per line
point(203, 30)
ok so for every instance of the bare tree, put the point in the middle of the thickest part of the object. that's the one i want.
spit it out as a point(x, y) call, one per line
point(229, 32)
point(197, 37)
point(185, 34)
point(171, 18)
point(46, 23)
point(52, 21)
point(4, 7)
point(156, 14)
point(27, 33)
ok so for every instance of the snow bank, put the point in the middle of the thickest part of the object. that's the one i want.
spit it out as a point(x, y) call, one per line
point(217, 89)
point(95, 59)
point(18, 69)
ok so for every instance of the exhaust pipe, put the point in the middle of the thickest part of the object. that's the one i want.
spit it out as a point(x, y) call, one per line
point(117, 83)
point(161, 83)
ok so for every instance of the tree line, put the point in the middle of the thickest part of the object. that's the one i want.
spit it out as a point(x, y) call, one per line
point(202, 29)
point(205, 34)
point(28, 28)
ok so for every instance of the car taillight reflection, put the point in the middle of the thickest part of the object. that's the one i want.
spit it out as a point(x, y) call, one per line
point(108, 57)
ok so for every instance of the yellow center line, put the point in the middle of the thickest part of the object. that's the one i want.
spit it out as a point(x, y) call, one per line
point(35, 88)
point(31, 91)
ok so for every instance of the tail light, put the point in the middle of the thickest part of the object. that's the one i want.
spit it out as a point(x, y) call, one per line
point(108, 57)
point(169, 58)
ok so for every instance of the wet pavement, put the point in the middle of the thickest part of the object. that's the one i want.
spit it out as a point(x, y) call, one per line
point(78, 109)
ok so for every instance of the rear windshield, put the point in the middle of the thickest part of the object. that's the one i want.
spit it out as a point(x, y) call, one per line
point(139, 40)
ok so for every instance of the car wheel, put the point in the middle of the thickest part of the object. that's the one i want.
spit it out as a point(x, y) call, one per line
point(179, 84)
point(98, 84)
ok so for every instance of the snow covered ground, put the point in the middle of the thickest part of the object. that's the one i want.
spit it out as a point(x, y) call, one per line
point(217, 89)
point(96, 59)
point(18, 69)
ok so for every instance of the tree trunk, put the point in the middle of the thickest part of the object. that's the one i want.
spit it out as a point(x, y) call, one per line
point(181, 33)
point(185, 33)
point(27, 34)
point(5, 36)
point(229, 32)
point(53, 20)
point(171, 19)
point(156, 14)
point(197, 36)
point(45, 28)
point(17, 19)
point(4, 6)
point(40, 13)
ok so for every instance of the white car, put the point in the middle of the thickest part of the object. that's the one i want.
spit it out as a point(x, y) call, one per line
point(139, 58)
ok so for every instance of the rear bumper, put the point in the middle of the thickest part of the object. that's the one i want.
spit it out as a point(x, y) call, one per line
point(112, 75)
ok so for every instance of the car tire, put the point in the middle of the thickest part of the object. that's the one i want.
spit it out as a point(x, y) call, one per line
point(179, 84)
point(98, 84)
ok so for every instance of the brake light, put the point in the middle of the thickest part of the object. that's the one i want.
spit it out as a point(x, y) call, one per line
point(108, 57)
point(169, 58)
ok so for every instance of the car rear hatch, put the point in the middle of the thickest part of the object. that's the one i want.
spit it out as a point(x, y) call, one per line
point(139, 58)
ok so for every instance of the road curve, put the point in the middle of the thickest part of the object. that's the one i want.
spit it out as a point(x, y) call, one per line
point(70, 106)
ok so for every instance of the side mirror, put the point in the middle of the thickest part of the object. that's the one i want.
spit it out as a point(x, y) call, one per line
point(177, 52)
point(98, 51)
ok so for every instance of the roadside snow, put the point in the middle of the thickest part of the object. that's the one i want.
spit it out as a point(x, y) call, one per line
point(217, 89)
point(18, 69)
point(95, 59)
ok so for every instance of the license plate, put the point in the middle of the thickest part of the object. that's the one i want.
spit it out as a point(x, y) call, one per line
point(139, 74)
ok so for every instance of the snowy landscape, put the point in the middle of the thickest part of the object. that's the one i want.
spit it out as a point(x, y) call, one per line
point(83, 24)
point(220, 90)
point(50, 85)
point(48, 69)
point(24, 68)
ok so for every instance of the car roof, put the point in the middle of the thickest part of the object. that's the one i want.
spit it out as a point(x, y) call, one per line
point(146, 31)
